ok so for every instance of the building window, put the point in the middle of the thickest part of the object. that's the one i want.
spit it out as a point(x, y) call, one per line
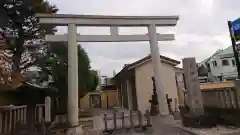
point(208, 66)
point(214, 63)
point(225, 62)
point(233, 62)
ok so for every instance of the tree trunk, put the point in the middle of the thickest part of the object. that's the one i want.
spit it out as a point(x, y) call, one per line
point(19, 47)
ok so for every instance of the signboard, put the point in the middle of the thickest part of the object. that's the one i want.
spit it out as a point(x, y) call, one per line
point(194, 95)
point(236, 29)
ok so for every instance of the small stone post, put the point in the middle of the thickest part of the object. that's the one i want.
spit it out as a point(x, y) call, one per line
point(6, 114)
point(19, 115)
point(25, 115)
point(122, 115)
point(22, 115)
point(47, 109)
point(10, 120)
point(140, 118)
point(114, 120)
point(14, 117)
point(131, 120)
point(105, 122)
point(40, 114)
point(1, 122)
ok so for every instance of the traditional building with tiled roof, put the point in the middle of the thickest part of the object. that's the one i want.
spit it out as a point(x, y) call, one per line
point(135, 84)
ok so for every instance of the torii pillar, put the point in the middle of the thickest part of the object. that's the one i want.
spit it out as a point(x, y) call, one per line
point(72, 21)
point(72, 104)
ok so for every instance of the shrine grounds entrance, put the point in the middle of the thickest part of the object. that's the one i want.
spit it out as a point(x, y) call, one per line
point(72, 21)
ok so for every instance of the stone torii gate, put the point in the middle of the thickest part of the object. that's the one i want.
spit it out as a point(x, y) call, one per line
point(72, 21)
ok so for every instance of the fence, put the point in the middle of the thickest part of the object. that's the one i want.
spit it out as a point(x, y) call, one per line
point(221, 98)
point(129, 120)
point(11, 115)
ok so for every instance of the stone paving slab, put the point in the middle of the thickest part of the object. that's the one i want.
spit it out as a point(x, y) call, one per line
point(133, 133)
point(219, 130)
point(176, 130)
point(235, 133)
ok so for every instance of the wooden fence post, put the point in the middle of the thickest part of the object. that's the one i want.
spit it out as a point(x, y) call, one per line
point(122, 116)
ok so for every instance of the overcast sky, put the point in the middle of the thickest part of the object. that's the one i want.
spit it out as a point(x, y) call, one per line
point(201, 30)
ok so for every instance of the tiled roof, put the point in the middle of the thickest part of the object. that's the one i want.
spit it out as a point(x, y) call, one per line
point(146, 59)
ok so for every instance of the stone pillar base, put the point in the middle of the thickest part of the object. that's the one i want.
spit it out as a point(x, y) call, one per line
point(75, 131)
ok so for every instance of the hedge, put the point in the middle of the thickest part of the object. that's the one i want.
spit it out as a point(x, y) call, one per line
point(212, 116)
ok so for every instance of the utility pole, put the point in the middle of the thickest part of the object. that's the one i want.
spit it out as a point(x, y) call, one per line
point(234, 48)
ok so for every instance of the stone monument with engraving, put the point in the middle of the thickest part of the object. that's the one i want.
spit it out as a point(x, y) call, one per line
point(194, 95)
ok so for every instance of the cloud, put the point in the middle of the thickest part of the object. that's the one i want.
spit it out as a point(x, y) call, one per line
point(201, 30)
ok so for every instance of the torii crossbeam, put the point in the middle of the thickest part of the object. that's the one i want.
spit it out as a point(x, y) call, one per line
point(72, 21)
